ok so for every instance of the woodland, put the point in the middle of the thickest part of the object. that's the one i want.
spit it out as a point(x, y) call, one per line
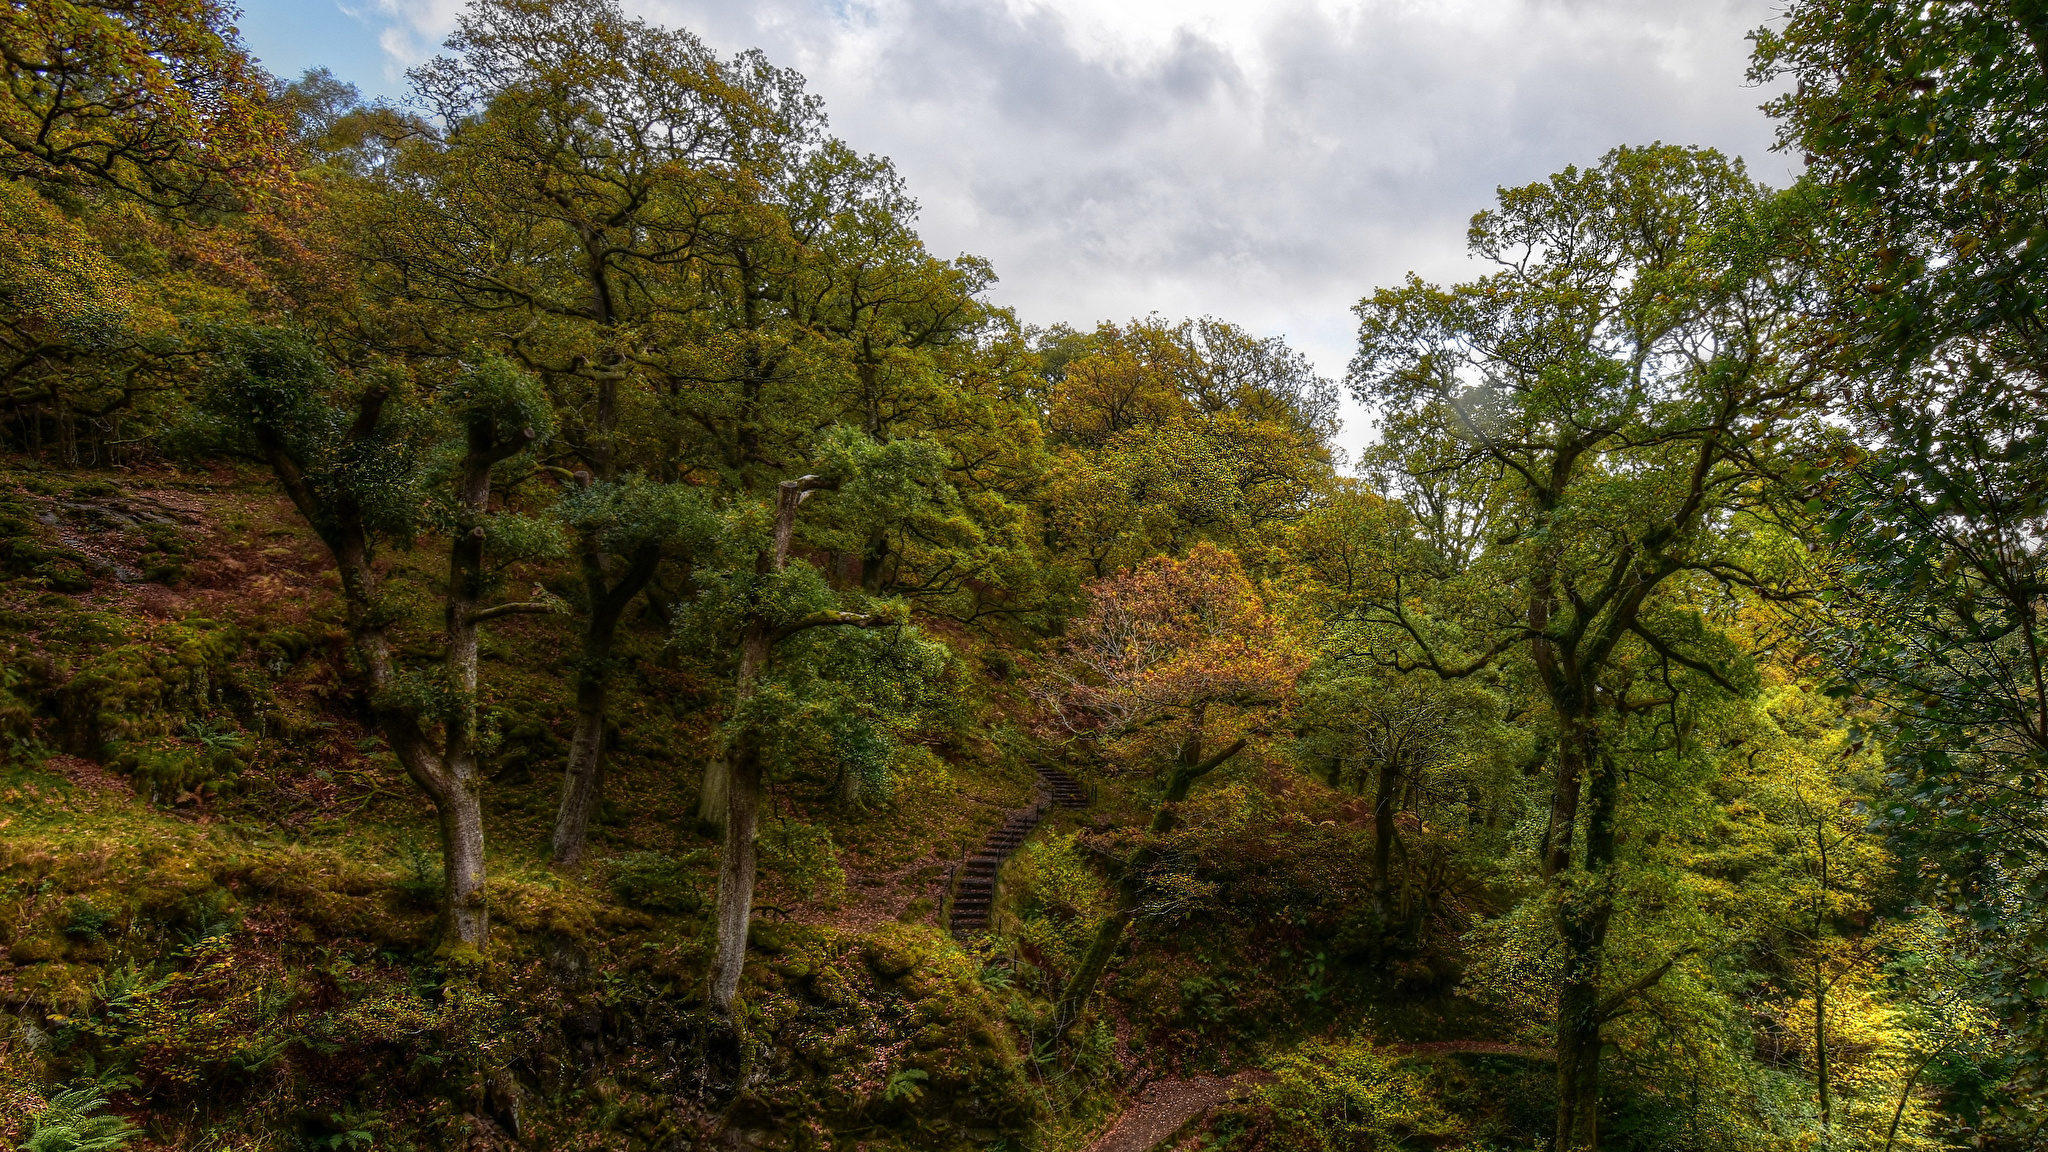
point(542, 616)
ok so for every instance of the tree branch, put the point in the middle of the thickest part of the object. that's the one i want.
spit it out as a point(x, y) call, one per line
point(1669, 653)
point(1612, 1006)
point(830, 619)
point(517, 608)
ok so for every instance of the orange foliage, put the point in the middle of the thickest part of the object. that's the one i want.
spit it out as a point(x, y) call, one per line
point(1164, 642)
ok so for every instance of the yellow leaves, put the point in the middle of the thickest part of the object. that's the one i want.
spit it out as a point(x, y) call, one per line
point(54, 274)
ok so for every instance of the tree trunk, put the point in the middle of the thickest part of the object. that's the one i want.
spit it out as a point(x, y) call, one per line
point(582, 778)
point(1820, 1052)
point(1383, 834)
point(1891, 1132)
point(462, 863)
point(736, 871)
point(1188, 768)
point(743, 786)
point(457, 794)
point(1584, 909)
point(1572, 748)
point(716, 792)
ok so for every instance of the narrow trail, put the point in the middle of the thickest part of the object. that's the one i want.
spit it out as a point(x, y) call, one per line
point(1167, 1107)
point(975, 884)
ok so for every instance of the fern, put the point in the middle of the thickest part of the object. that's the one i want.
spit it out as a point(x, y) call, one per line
point(906, 1085)
point(72, 1122)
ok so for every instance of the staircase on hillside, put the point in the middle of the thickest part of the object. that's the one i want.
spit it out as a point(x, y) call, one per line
point(975, 889)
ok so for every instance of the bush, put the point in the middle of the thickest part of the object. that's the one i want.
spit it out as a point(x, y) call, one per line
point(1058, 898)
point(1350, 1096)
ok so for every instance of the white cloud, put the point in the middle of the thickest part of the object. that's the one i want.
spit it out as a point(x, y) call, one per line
point(1267, 163)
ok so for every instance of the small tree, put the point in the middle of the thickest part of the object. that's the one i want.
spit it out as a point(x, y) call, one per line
point(769, 606)
point(1398, 731)
point(1168, 656)
point(381, 458)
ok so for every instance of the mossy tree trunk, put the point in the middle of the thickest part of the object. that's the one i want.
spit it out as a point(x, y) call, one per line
point(1384, 794)
point(446, 769)
point(743, 778)
point(583, 777)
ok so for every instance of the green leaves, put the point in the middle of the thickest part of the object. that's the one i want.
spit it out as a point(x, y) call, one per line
point(495, 392)
point(635, 512)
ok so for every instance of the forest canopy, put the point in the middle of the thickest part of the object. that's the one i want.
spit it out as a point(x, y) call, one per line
point(544, 615)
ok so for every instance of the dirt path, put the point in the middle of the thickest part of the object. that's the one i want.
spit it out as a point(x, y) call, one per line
point(1476, 1047)
point(1167, 1106)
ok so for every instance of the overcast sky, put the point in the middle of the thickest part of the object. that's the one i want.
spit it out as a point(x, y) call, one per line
point(1267, 163)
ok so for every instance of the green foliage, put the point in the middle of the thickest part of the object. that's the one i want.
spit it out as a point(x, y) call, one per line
point(1352, 1096)
point(1058, 899)
point(83, 921)
point(74, 1121)
point(803, 857)
point(905, 1085)
point(634, 511)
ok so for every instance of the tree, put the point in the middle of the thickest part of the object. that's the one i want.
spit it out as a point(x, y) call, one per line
point(1170, 434)
point(1920, 123)
point(1815, 895)
point(559, 213)
point(771, 606)
point(157, 101)
point(1168, 654)
point(1396, 734)
point(1616, 388)
point(373, 458)
point(646, 523)
point(135, 140)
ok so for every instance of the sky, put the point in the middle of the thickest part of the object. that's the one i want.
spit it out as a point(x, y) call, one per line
point(1268, 163)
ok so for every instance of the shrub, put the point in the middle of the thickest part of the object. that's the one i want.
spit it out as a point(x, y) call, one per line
point(1058, 898)
point(1350, 1096)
